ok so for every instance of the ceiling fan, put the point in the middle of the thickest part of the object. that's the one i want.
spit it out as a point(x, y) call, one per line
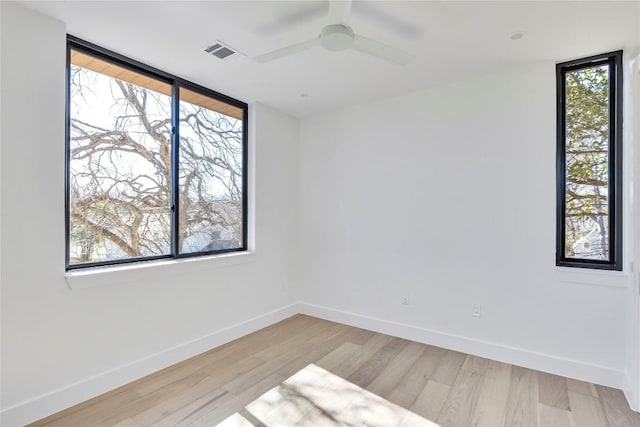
point(338, 36)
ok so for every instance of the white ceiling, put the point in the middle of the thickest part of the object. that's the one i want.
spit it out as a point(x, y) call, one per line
point(450, 41)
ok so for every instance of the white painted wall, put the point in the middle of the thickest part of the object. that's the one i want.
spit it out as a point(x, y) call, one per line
point(52, 336)
point(448, 195)
point(633, 353)
point(632, 232)
point(633, 155)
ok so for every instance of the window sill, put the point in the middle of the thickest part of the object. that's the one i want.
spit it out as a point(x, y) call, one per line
point(615, 279)
point(145, 270)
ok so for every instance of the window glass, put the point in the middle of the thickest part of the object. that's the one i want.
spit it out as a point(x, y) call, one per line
point(119, 162)
point(211, 178)
point(587, 163)
point(155, 165)
point(589, 167)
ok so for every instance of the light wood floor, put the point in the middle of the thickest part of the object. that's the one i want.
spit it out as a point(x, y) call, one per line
point(305, 371)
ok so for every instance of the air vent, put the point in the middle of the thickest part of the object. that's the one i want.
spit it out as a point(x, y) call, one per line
point(223, 51)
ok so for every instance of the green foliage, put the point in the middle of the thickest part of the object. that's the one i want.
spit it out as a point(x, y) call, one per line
point(587, 154)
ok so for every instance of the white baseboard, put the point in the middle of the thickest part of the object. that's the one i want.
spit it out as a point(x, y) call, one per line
point(631, 394)
point(57, 400)
point(72, 394)
point(516, 356)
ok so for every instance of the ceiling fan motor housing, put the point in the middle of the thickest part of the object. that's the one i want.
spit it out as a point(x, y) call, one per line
point(336, 37)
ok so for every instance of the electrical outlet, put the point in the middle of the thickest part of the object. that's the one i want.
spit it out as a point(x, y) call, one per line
point(405, 300)
point(476, 309)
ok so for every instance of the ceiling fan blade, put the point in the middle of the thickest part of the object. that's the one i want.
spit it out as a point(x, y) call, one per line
point(339, 11)
point(292, 14)
point(381, 50)
point(289, 50)
point(376, 13)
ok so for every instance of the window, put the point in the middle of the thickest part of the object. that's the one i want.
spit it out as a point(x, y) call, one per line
point(589, 162)
point(156, 166)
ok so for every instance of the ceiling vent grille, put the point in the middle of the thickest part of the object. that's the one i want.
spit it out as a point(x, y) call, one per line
point(223, 51)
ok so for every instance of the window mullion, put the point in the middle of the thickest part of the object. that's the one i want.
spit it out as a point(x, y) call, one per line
point(613, 184)
point(175, 177)
point(67, 160)
point(616, 72)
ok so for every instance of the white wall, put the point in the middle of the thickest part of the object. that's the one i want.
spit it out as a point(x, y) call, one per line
point(633, 352)
point(632, 159)
point(633, 300)
point(448, 195)
point(60, 341)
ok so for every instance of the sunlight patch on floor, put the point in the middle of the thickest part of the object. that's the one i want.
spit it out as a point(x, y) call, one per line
point(316, 397)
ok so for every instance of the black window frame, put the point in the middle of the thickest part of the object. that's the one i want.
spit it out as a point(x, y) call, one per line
point(80, 45)
point(615, 177)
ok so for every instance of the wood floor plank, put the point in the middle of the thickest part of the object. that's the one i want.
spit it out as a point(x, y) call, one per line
point(375, 364)
point(296, 348)
point(313, 354)
point(338, 355)
point(552, 391)
point(240, 420)
point(230, 353)
point(330, 396)
point(166, 376)
point(582, 387)
point(208, 361)
point(230, 403)
point(330, 332)
point(522, 404)
point(431, 399)
point(294, 341)
point(96, 414)
point(586, 410)
point(209, 387)
point(84, 406)
point(272, 335)
point(414, 381)
point(266, 338)
point(378, 412)
point(203, 394)
point(460, 404)
point(616, 409)
point(371, 346)
point(414, 420)
point(226, 372)
point(281, 405)
point(365, 408)
point(361, 336)
point(475, 364)
point(314, 388)
point(494, 393)
point(127, 423)
point(306, 371)
point(393, 372)
point(449, 367)
point(260, 372)
point(163, 394)
point(175, 414)
point(318, 418)
point(550, 416)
